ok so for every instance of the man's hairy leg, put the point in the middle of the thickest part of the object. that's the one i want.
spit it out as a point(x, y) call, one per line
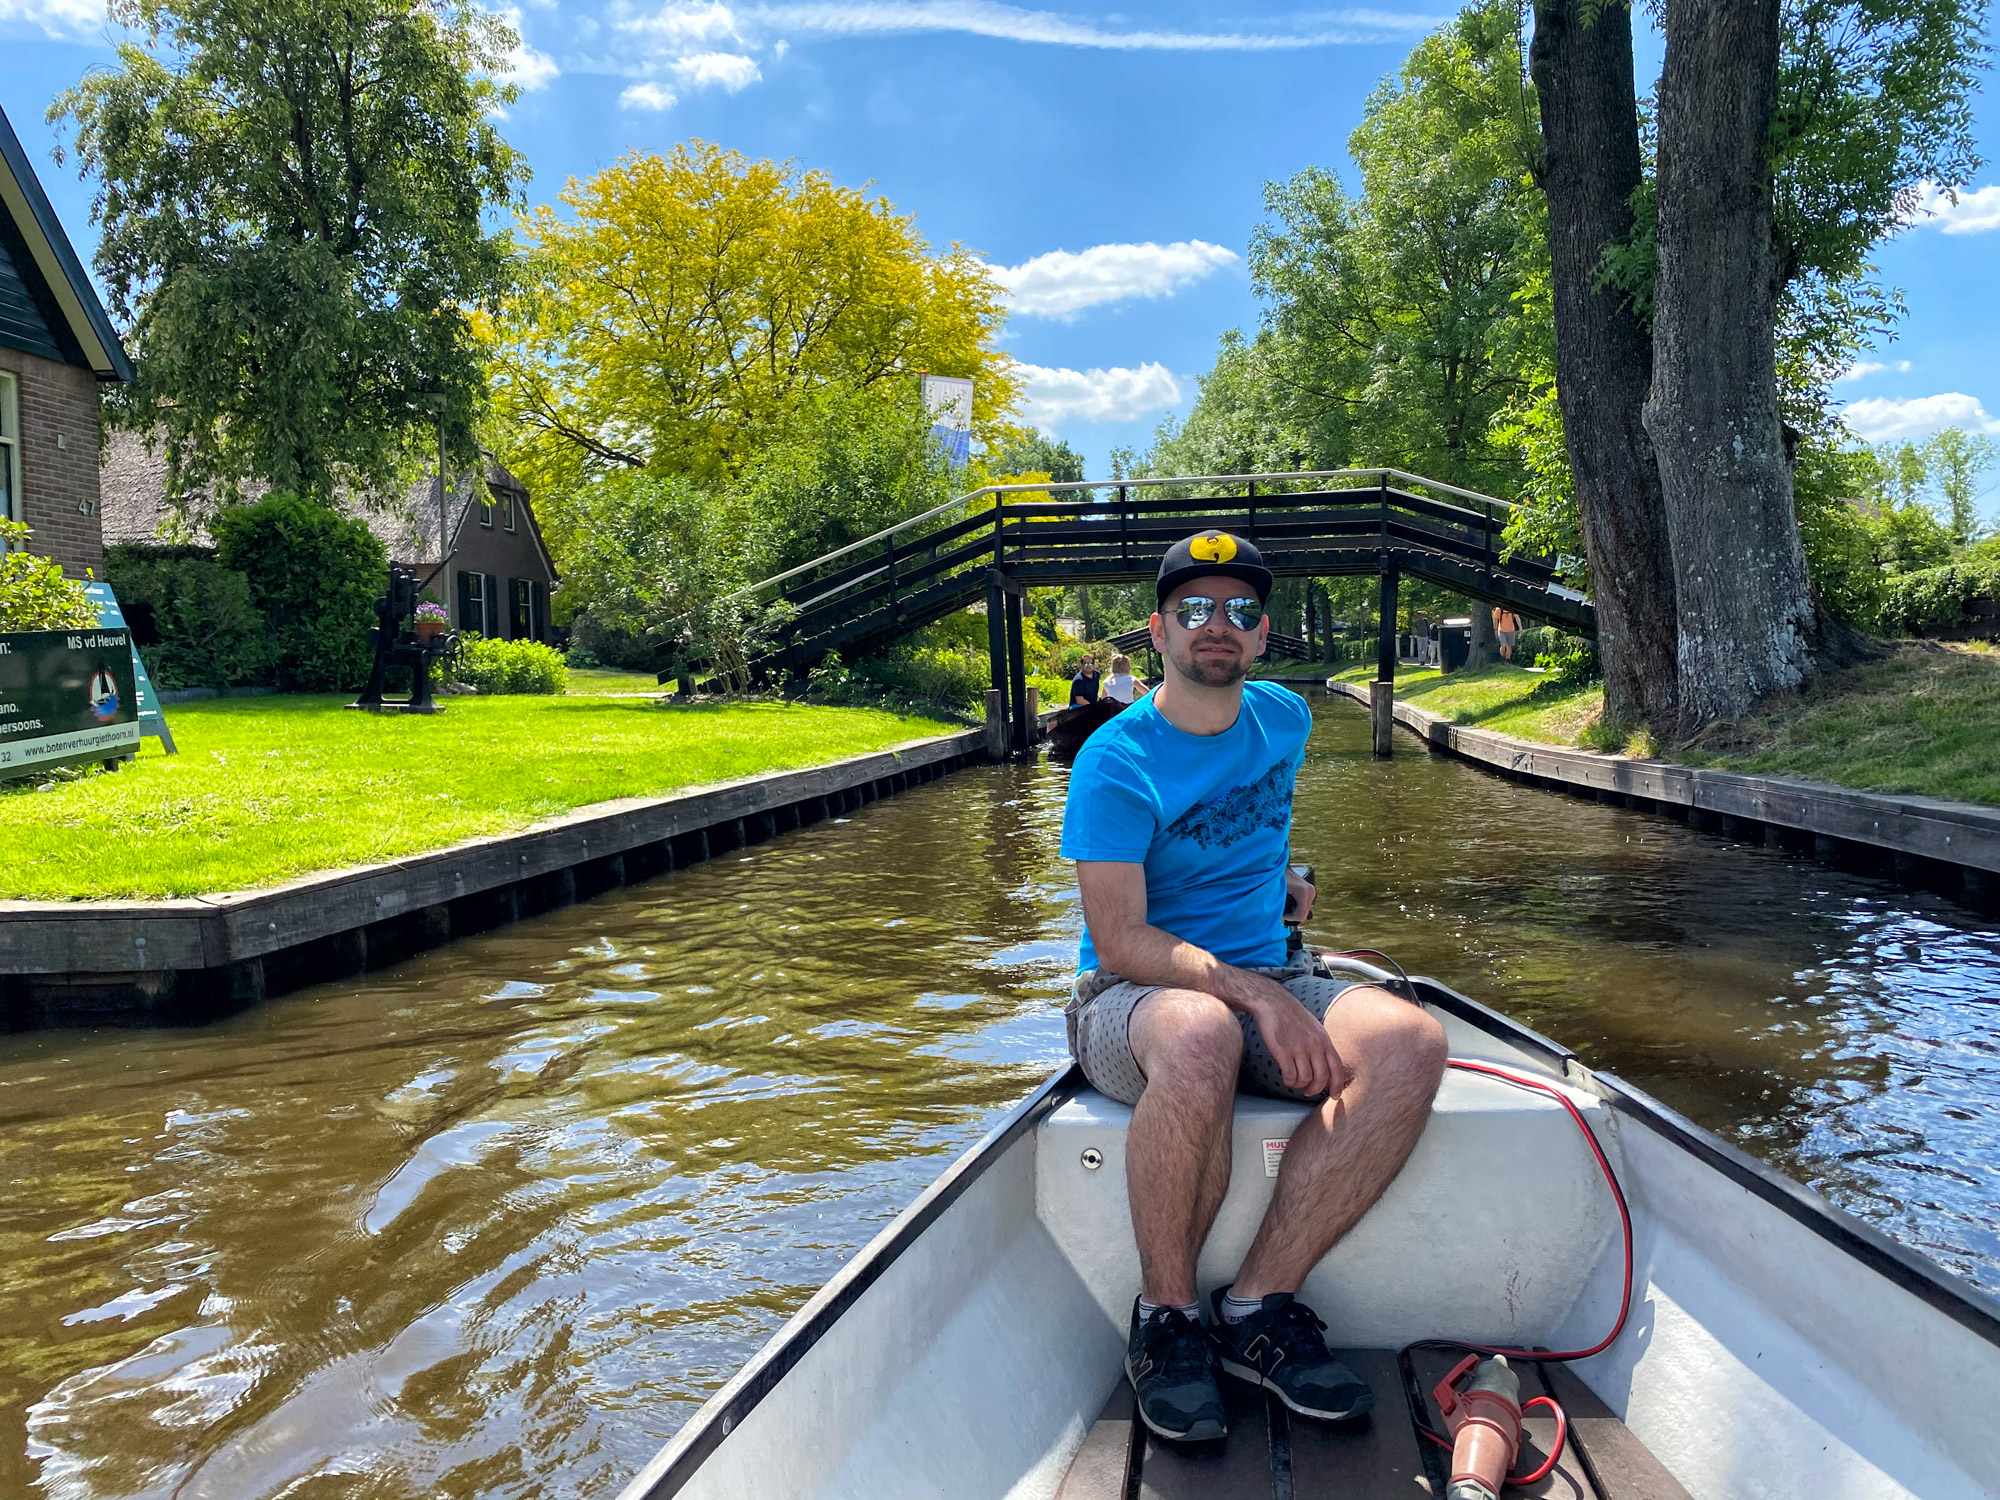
point(1177, 1152)
point(1348, 1150)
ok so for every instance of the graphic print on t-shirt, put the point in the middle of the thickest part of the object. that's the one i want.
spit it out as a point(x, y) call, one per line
point(1240, 811)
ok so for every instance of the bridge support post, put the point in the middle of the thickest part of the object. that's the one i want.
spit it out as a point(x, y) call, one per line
point(1017, 671)
point(996, 654)
point(1382, 691)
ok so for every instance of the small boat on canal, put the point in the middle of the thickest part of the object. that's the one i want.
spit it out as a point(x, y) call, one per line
point(1752, 1342)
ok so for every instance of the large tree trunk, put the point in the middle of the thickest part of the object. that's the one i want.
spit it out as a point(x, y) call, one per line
point(1746, 609)
point(1589, 170)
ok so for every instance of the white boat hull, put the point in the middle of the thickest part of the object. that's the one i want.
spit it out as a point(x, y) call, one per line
point(1775, 1346)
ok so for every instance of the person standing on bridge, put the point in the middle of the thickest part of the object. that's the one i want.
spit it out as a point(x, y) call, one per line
point(1083, 686)
point(1179, 819)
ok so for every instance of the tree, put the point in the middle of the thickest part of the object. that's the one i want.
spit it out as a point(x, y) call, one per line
point(687, 302)
point(291, 198)
point(1591, 170)
point(1957, 459)
point(1747, 626)
point(1036, 452)
point(1396, 316)
point(1849, 105)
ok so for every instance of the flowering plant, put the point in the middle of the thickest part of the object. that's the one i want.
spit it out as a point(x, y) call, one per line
point(430, 609)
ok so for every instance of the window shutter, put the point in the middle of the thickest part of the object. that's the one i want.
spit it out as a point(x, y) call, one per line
point(492, 607)
point(469, 617)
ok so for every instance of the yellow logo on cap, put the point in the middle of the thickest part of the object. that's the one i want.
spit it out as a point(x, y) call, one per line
point(1217, 546)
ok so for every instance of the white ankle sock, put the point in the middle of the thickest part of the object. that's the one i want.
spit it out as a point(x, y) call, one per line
point(1236, 1309)
point(1192, 1310)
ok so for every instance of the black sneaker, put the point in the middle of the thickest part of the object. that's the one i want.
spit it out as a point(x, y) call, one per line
point(1279, 1347)
point(1172, 1370)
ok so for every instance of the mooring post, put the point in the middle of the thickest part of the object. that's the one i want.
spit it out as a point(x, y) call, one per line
point(996, 654)
point(1017, 668)
point(1382, 691)
point(996, 724)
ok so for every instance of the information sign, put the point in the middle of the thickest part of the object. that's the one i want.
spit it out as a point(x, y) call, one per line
point(111, 617)
point(66, 695)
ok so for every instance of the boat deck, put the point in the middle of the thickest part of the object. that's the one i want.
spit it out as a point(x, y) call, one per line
point(1272, 1455)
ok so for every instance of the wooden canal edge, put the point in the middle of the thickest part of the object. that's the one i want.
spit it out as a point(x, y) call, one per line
point(86, 962)
point(1951, 847)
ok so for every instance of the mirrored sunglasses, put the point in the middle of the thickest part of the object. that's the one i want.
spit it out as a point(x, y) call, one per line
point(1195, 611)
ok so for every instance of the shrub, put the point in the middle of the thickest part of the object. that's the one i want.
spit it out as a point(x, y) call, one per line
point(1537, 644)
point(315, 576)
point(34, 595)
point(1934, 598)
point(509, 666)
point(191, 617)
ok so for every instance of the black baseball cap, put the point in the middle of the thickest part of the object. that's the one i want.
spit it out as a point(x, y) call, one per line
point(1207, 553)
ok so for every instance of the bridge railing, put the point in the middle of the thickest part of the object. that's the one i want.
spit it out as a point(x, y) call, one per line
point(968, 507)
point(1326, 521)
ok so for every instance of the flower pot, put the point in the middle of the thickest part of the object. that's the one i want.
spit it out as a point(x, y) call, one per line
point(427, 631)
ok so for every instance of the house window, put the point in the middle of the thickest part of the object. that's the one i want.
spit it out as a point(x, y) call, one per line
point(507, 501)
point(10, 449)
point(520, 610)
point(471, 601)
point(486, 514)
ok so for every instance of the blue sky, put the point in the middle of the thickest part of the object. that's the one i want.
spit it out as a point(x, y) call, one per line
point(1112, 162)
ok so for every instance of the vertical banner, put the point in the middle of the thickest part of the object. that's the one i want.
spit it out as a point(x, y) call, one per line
point(111, 617)
point(948, 398)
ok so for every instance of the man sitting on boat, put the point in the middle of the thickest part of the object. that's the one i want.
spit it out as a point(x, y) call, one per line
point(1179, 820)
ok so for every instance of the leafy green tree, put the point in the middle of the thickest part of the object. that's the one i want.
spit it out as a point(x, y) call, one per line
point(1035, 452)
point(291, 197)
point(1957, 460)
point(1397, 315)
point(686, 303)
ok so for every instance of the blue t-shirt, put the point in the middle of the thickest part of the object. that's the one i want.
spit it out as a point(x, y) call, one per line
point(1209, 816)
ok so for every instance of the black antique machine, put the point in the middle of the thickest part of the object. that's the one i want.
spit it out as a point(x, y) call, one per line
point(398, 646)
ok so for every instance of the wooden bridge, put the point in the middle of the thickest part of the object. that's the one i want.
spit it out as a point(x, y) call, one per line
point(996, 542)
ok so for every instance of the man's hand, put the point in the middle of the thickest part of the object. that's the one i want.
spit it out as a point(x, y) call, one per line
point(1299, 898)
point(1303, 1051)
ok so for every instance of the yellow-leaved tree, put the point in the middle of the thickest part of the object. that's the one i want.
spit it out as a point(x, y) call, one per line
point(682, 308)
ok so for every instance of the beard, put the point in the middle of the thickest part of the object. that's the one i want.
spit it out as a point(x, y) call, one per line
point(1210, 671)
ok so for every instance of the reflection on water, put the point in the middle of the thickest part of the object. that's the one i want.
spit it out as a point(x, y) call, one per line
point(495, 1221)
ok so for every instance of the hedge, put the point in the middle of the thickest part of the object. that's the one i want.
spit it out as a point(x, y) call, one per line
point(1931, 598)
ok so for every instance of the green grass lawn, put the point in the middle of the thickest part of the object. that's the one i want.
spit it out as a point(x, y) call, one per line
point(587, 682)
point(1921, 718)
point(266, 789)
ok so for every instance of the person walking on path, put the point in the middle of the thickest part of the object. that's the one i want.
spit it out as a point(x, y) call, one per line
point(1506, 625)
point(1179, 819)
point(1083, 686)
point(1121, 684)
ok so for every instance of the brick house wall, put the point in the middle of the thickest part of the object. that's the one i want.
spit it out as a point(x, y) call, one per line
point(61, 416)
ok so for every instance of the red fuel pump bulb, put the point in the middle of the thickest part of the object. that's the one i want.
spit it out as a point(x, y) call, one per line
point(1484, 1419)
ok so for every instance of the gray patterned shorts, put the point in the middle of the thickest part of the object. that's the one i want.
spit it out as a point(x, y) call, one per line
point(1099, 1015)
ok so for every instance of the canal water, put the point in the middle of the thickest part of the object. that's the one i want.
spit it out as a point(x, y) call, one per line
point(494, 1222)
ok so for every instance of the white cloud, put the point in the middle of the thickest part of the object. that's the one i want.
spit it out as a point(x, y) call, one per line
point(62, 19)
point(678, 27)
point(1062, 283)
point(725, 68)
point(1014, 23)
point(1878, 418)
point(1861, 369)
point(1120, 394)
point(526, 67)
point(1976, 211)
point(647, 95)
